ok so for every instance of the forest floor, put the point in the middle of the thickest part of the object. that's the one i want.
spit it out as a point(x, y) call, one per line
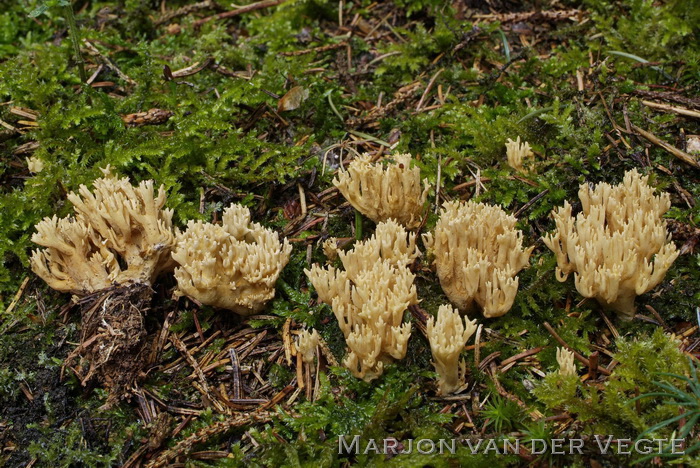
point(260, 104)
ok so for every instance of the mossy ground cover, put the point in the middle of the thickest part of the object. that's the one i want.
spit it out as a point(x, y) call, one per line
point(448, 82)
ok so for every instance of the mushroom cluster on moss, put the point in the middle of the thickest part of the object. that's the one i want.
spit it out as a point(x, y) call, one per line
point(369, 298)
point(383, 193)
point(478, 253)
point(617, 246)
point(121, 238)
point(233, 266)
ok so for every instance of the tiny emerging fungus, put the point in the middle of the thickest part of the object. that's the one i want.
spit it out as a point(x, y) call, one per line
point(394, 192)
point(517, 153)
point(370, 296)
point(565, 359)
point(447, 336)
point(478, 253)
point(35, 165)
point(330, 248)
point(307, 341)
point(618, 246)
point(233, 266)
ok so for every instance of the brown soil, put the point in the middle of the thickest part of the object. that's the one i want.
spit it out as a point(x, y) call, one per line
point(113, 342)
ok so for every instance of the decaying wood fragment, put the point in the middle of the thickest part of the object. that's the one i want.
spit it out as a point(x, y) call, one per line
point(401, 96)
point(150, 117)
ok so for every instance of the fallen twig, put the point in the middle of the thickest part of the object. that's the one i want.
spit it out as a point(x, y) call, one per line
point(23, 112)
point(682, 155)
point(239, 11)
point(669, 96)
point(94, 51)
point(192, 362)
point(314, 50)
point(428, 88)
point(185, 10)
point(534, 200)
point(18, 296)
point(401, 96)
point(193, 69)
point(548, 15)
point(236, 372)
point(677, 110)
point(522, 355)
point(184, 447)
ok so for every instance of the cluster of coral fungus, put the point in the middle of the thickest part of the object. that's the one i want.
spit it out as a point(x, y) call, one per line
point(233, 266)
point(478, 252)
point(617, 246)
point(384, 193)
point(121, 237)
point(120, 233)
point(369, 297)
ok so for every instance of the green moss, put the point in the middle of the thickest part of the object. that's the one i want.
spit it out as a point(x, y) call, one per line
point(608, 411)
point(390, 407)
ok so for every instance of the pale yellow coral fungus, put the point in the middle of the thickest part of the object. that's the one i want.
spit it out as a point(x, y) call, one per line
point(35, 164)
point(618, 246)
point(518, 153)
point(478, 253)
point(233, 266)
point(370, 296)
point(120, 233)
point(307, 341)
point(565, 359)
point(389, 242)
point(447, 336)
point(380, 193)
point(330, 248)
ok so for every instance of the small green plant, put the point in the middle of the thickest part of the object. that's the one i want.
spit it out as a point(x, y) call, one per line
point(502, 414)
point(688, 402)
point(536, 432)
point(67, 7)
